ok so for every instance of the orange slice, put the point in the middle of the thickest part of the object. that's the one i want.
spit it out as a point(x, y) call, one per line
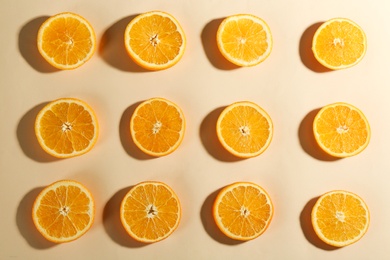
point(243, 211)
point(155, 40)
point(244, 39)
point(340, 218)
point(157, 126)
point(244, 129)
point(339, 43)
point(150, 211)
point(63, 211)
point(66, 127)
point(341, 130)
point(66, 41)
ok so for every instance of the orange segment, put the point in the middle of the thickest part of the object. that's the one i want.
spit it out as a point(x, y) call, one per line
point(339, 43)
point(243, 210)
point(244, 39)
point(150, 211)
point(340, 218)
point(244, 129)
point(157, 126)
point(341, 130)
point(155, 40)
point(66, 127)
point(66, 40)
point(63, 211)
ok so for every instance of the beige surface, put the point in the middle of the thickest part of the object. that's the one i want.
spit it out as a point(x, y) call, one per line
point(288, 85)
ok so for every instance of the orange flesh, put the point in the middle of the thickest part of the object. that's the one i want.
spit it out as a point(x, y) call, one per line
point(341, 218)
point(244, 211)
point(245, 130)
point(64, 212)
point(66, 128)
point(151, 212)
point(155, 39)
point(67, 41)
point(340, 44)
point(157, 126)
point(342, 130)
point(244, 40)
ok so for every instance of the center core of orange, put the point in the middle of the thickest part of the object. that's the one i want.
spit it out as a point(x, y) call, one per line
point(342, 129)
point(338, 41)
point(151, 211)
point(340, 216)
point(244, 212)
point(154, 40)
point(156, 127)
point(66, 127)
point(64, 210)
point(245, 130)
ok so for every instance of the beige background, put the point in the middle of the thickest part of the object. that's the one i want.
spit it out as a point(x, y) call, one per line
point(289, 85)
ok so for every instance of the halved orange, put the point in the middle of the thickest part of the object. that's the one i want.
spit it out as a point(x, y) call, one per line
point(155, 40)
point(66, 40)
point(340, 218)
point(244, 39)
point(63, 211)
point(339, 43)
point(150, 211)
point(244, 129)
point(341, 130)
point(243, 210)
point(157, 126)
point(66, 127)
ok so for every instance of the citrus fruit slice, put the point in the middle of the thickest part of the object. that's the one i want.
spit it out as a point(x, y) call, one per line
point(63, 211)
point(340, 218)
point(66, 127)
point(341, 130)
point(244, 39)
point(150, 211)
point(157, 126)
point(339, 43)
point(66, 40)
point(243, 211)
point(155, 40)
point(244, 129)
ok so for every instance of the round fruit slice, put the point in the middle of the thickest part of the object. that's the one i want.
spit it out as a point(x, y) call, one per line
point(340, 218)
point(341, 130)
point(157, 126)
point(244, 39)
point(243, 211)
point(339, 43)
point(66, 41)
point(63, 211)
point(244, 129)
point(66, 127)
point(150, 211)
point(155, 40)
